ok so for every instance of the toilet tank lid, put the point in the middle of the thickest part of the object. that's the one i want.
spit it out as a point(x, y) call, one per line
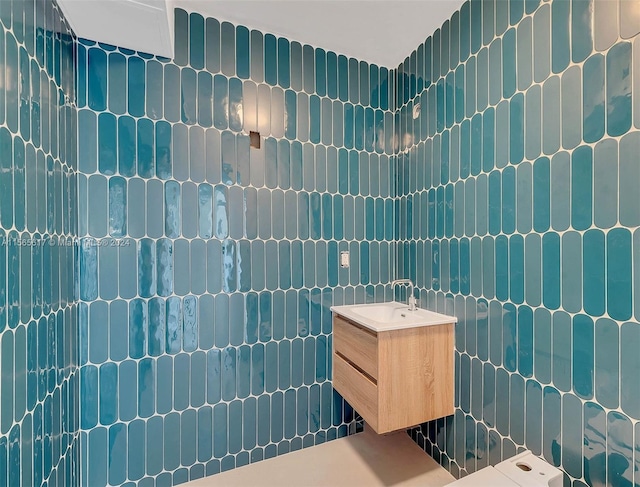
point(528, 470)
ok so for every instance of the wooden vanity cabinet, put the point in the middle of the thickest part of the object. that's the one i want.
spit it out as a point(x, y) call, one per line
point(394, 379)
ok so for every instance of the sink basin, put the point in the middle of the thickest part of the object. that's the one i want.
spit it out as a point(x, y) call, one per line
point(382, 312)
point(391, 316)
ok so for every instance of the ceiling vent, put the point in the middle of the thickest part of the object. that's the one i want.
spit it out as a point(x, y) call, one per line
point(142, 25)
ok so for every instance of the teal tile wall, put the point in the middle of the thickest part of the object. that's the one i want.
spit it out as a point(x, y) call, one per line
point(518, 212)
point(207, 268)
point(38, 216)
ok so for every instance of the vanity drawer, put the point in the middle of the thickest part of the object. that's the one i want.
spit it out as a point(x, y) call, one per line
point(359, 391)
point(357, 345)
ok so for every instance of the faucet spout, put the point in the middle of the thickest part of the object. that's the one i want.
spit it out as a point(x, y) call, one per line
point(411, 300)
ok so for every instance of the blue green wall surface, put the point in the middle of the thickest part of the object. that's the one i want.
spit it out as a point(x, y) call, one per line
point(164, 313)
point(38, 224)
point(207, 267)
point(519, 213)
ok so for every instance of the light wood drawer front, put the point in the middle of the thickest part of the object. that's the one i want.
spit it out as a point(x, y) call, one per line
point(357, 389)
point(357, 345)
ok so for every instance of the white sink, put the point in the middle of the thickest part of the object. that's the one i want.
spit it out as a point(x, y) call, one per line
point(391, 316)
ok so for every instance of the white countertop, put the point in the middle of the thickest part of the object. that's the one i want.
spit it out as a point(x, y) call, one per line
point(391, 316)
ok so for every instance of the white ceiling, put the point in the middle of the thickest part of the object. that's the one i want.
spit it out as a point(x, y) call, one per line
point(382, 32)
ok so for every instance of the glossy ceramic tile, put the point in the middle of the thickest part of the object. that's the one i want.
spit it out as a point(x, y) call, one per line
point(205, 299)
point(535, 250)
point(509, 200)
point(39, 429)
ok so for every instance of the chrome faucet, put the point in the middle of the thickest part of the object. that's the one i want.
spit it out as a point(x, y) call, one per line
point(411, 300)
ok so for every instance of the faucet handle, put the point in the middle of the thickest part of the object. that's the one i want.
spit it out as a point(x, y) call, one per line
point(412, 303)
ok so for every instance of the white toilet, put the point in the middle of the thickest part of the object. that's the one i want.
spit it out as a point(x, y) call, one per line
point(523, 470)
